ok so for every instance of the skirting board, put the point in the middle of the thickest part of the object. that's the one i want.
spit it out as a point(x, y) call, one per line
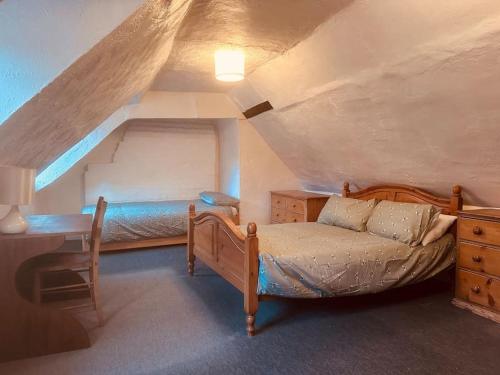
point(478, 310)
point(154, 242)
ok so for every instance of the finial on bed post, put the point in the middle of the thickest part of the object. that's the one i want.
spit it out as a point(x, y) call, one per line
point(192, 210)
point(456, 201)
point(346, 191)
point(251, 229)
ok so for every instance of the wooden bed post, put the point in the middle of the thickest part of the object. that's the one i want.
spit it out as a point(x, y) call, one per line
point(346, 191)
point(190, 246)
point(251, 277)
point(456, 200)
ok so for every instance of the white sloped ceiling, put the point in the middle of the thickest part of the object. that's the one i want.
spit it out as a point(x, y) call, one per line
point(389, 92)
point(116, 69)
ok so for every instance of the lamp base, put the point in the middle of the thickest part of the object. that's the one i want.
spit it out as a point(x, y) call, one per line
point(14, 222)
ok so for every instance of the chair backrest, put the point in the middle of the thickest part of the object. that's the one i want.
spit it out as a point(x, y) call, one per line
point(95, 237)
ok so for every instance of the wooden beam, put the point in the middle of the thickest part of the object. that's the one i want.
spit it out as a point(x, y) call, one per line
point(258, 109)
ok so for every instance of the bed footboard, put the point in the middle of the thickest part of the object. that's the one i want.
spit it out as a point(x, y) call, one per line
point(219, 243)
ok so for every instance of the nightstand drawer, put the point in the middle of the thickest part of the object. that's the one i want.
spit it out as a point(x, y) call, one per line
point(293, 217)
point(479, 231)
point(475, 288)
point(278, 215)
point(479, 258)
point(295, 205)
point(278, 201)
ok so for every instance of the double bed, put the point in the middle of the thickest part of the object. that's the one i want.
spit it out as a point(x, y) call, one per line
point(132, 225)
point(314, 260)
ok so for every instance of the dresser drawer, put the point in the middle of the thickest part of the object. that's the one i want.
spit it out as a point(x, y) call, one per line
point(295, 205)
point(278, 201)
point(479, 258)
point(475, 288)
point(479, 230)
point(293, 217)
point(278, 215)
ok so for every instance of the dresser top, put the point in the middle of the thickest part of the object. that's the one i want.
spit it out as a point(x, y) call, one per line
point(485, 213)
point(299, 194)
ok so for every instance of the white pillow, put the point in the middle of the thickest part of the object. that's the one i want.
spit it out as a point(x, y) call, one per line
point(439, 228)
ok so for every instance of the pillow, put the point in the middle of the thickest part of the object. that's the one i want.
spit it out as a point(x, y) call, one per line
point(439, 228)
point(218, 199)
point(347, 212)
point(403, 222)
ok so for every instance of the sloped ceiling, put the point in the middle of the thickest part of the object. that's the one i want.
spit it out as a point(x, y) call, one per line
point(265, 29)
point(39, 39)
point(120, 66)
point(389, 92)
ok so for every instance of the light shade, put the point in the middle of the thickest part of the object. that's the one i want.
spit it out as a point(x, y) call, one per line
point(16, 185)
point(229, 65)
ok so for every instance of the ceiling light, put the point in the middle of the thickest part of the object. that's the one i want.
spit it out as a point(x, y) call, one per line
point(229, 65)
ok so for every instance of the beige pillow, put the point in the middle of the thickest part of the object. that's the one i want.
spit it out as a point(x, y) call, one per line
point(403, 222)
point(439, 228)
point(347, 212)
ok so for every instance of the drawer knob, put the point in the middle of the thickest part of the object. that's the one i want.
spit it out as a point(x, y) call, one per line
point(277, 215)
point(294, 206)
point(477, 258)
point(294, 220)
point(477, 230)
point(278, 202)
point(475, 289)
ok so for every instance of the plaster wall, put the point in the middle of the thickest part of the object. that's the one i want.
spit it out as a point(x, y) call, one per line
point(261, 171)
point(157, 162)
point(389, 92)
point(41, 38)
point(229, 156)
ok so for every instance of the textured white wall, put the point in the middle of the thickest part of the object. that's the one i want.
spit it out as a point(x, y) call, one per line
point(229, 156)
point(153, 163)
point(41, 38)
point(389, 92)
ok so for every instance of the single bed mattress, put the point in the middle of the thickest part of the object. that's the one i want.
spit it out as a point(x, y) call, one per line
point(310, 260)
point(131, 221)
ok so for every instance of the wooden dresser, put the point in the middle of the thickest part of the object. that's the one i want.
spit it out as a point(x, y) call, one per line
point(295, 206)
point(478, 263)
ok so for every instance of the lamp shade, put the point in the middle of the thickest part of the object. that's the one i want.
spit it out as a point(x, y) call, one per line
point(229, 65)
point(16, 185)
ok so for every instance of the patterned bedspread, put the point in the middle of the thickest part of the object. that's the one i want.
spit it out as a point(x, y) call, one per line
point(132, 221)
point(310, 260)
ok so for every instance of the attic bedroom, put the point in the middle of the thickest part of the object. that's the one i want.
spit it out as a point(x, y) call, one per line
point(265, 186)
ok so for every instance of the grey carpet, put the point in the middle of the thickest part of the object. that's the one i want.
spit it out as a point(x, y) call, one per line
point(161, 321)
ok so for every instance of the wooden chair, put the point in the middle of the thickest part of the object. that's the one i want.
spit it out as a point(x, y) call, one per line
point(79, 262)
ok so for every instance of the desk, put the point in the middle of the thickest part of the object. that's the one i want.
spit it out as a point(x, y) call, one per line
point(27, 329)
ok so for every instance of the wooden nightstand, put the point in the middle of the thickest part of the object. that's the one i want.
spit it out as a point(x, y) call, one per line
point(478, 263)
point(295, 206)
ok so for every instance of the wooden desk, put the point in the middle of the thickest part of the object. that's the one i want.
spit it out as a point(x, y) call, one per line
point(27, 329)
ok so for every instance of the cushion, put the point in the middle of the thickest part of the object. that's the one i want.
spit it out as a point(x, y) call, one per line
point(403, 222)
point(347, 212)
point(439, 228)
point(218, 199)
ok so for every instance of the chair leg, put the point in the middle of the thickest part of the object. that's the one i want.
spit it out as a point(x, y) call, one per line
point(94, 286)
point(37, 286)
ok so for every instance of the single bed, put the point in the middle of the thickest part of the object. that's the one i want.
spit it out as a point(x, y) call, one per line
point(132, 225)
point(313, 260)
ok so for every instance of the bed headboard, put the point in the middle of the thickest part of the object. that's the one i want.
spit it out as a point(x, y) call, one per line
point(404, 193)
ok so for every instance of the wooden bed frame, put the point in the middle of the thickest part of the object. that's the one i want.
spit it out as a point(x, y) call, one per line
point(153, 242)
point(219, 243)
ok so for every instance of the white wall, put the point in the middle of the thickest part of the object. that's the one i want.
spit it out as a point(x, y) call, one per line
point(67, 194)
point(261, 171)
point(157, 162)
point(229, 156)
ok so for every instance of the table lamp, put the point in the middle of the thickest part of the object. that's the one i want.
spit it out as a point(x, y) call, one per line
point(16, 188)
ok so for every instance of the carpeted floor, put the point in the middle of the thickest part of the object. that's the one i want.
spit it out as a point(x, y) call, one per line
point(161, 321)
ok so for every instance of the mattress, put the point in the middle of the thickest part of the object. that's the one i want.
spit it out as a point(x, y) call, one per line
point(310, 260)
point(132, 221)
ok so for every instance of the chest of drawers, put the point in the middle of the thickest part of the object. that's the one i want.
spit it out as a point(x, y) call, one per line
point(295, 206)
point(478, 263)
